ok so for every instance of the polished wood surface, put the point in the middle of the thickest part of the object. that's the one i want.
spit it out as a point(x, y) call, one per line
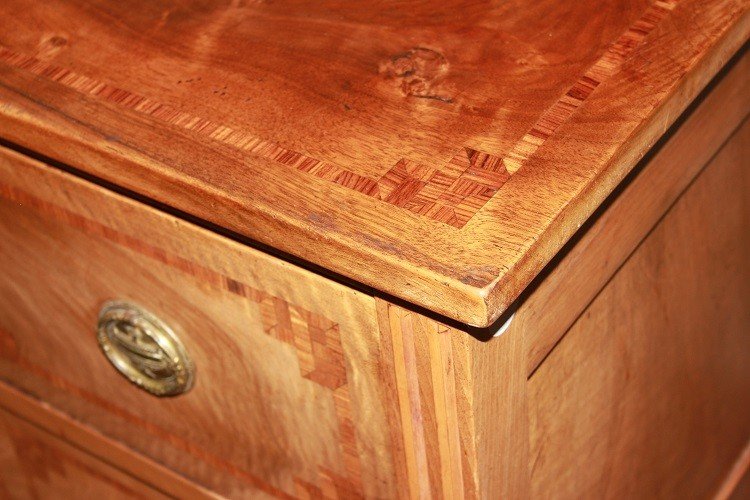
point(440, 153)
point(741, 490)
point(458, 408)
point(287, 399)
point(630, 399)
point(443, 159)
point(737, 483)
point(648, 394)
point(98, 445)
point(35, 464)
point(616, 412)
point(580, 273)
point(383, 403)
point(386, 402)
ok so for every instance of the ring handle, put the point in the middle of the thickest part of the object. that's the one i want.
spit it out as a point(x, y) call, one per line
point(144, 349)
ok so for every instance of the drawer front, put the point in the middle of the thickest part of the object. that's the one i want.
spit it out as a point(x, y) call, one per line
point(286, 399)
point(35, 464)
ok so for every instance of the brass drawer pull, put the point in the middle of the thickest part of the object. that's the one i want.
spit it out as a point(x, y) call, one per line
point(144, 349)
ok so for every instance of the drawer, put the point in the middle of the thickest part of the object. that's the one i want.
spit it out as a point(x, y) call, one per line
point(286, 398)
point(35, 464)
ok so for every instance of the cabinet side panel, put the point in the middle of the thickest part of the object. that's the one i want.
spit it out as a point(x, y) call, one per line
point(551, 308)
point(648, 394)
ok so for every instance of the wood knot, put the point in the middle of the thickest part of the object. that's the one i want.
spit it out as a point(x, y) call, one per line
point(50, 44)
point(419, 72)
point(57, 41)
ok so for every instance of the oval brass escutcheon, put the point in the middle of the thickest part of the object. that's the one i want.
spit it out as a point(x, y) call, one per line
point(144, 349)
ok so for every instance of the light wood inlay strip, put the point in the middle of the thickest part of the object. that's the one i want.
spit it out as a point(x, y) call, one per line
point(603, 68)
point(317, 342)
point(437, 428)
point(409, 402)
point(391, 377)
point(444, 391)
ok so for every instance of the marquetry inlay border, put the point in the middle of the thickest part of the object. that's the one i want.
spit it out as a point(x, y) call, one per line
point(315, 338)
point(451, 193)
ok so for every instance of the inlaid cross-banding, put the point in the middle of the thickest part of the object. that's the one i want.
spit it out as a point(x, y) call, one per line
point(451, 193)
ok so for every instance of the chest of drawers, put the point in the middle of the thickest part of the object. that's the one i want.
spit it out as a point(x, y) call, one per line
point(316, 250)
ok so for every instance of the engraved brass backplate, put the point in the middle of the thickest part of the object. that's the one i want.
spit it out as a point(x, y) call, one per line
point(144, 349)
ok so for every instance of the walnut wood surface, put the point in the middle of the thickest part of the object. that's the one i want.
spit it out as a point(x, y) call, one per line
point(35, 464)
point(440, 152)
point(736, 485)
point(649, 383)
point(458, 408)
point(306, 388)
point(287, 399)
point(738, 488)
point(578, 275)
point(648, 394)
point(96, 444)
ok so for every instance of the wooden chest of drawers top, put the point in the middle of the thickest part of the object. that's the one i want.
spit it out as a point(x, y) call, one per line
point(439, 152)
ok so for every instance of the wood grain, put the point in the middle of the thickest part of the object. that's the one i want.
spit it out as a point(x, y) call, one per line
point(94, 443)
point(462, 408)
point(287, 400)
point(452, 193)
point(35, 464)
point(322, 391)
point(440, 158)
point(581, 272)
point(648, 394)
point(743, 489)
point(426, 388)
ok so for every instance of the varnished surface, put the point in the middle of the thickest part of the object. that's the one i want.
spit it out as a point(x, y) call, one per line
point(34, 464)
point(419, 409)
point(287, 399)
point(737, 483)
point(441, 153)
point(741, 490)
point(648, 395)
point(457, 409)
point(304, 388)
point(580, 273)
point(112, 452)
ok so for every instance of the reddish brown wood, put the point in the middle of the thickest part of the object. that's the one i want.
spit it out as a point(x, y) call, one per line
point(578, 276)
point(648, 394)
point(442, 154)
point(284, 358)
point(34, 464)
point(76, 435)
